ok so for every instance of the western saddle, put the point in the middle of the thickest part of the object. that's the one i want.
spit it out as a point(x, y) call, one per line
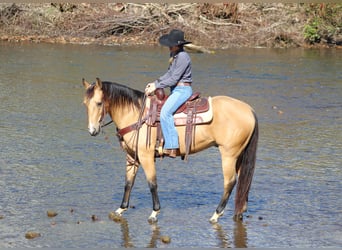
point(193, 106)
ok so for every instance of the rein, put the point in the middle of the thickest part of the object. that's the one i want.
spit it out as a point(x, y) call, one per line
point(106, 124)
point(139, 124)
point(135, 126)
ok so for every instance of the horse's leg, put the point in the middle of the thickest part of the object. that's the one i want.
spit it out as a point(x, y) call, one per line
point(131, 172)
point(229, 180)
point(151, 177)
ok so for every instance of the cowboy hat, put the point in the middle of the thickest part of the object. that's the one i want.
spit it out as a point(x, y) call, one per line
point(174, 38)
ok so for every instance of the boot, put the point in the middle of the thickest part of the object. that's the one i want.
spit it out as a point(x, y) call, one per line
point(170, 152)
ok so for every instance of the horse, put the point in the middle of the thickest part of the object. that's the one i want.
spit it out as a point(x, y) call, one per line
point(233, 129)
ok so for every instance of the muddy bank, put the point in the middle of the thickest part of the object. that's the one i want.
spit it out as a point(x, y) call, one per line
point(209, 25)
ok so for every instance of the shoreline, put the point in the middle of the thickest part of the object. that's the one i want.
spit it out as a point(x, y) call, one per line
point(131, 42)
point(211, 26)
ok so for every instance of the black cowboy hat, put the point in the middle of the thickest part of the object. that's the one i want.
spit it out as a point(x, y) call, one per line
point(174, 38)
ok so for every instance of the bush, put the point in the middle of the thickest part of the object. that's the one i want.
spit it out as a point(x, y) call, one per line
point(311, 32)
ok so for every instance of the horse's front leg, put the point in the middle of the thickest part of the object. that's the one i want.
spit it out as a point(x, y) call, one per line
point(147, 162)
point(131, 172)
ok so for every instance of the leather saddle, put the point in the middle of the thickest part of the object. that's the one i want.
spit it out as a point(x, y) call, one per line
point(194, 111)
point(193, 106)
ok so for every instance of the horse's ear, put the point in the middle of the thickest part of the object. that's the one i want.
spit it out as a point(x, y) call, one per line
point(85, 83)
point(98, 83)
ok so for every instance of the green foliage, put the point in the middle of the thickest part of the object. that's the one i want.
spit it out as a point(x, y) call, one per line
point(324, 22)
point(311, 32)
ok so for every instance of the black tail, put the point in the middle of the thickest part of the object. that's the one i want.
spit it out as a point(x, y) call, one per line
point(246, 166)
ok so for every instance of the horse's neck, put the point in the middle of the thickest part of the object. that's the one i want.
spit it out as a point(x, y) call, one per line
point(123, 117)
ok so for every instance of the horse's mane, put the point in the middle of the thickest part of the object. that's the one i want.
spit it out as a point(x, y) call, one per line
point(121, 95)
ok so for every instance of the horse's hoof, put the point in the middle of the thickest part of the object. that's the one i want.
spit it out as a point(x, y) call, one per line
point(152, 220)
point(153, 217)
point(114, 216)
point(215, 217)
point(213, 221)
point(238, 217)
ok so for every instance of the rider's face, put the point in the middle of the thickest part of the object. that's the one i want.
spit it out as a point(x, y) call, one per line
point(174, 49)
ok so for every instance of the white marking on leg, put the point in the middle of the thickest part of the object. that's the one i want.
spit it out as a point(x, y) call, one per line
point(120, 210)
point(153, 217)
point(215, 217)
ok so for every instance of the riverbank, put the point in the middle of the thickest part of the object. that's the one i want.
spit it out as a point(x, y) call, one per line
point(213, 26)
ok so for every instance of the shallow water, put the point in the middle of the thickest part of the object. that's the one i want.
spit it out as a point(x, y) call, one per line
point(48, 161)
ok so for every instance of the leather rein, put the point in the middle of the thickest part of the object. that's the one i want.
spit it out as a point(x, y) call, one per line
point(135, 126)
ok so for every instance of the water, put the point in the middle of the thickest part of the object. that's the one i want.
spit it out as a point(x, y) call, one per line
point(48, 161)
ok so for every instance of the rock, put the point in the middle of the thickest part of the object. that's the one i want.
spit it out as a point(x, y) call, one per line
point(31, 235)
point(94, 218)
point(51, 213)
point(165, 239)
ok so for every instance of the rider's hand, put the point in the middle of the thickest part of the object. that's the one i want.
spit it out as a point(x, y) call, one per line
point(150, 88)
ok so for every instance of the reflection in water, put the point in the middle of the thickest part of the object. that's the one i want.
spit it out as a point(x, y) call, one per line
point(239, 236)
point(222, 236)
point(154, 236)
point(126, 239)
point(239, 239)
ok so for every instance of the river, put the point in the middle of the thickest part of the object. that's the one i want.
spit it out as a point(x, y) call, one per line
point(48, 160)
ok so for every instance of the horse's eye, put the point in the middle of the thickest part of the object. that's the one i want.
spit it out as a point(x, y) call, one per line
point(99, 104)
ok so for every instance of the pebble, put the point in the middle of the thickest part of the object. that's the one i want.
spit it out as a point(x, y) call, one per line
point(51, 213)
point(165, 239)
point(94, 218)
point(32, 235)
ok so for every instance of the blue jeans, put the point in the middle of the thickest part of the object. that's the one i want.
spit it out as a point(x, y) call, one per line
point(178, 96)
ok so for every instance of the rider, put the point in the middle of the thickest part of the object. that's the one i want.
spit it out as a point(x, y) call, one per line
point(178, 78)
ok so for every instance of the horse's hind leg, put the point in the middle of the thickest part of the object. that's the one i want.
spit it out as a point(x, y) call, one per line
point(229, 180)
point(131, 172)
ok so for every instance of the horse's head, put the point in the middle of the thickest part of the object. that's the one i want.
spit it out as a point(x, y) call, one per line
point(93, 100)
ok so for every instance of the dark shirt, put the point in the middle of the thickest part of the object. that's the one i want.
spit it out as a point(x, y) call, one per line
point(178, 71)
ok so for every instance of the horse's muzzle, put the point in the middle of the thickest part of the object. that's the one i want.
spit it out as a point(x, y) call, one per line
point(93, 131)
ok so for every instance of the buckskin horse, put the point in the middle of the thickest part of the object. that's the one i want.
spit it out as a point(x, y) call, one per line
point(233, 129)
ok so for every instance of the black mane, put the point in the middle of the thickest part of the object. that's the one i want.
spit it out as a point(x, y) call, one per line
point(121, 95)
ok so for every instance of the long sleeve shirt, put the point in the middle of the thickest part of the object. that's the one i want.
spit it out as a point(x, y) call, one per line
point(178, 71)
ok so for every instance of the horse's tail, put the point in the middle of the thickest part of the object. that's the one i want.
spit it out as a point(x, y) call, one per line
point(245, 165)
